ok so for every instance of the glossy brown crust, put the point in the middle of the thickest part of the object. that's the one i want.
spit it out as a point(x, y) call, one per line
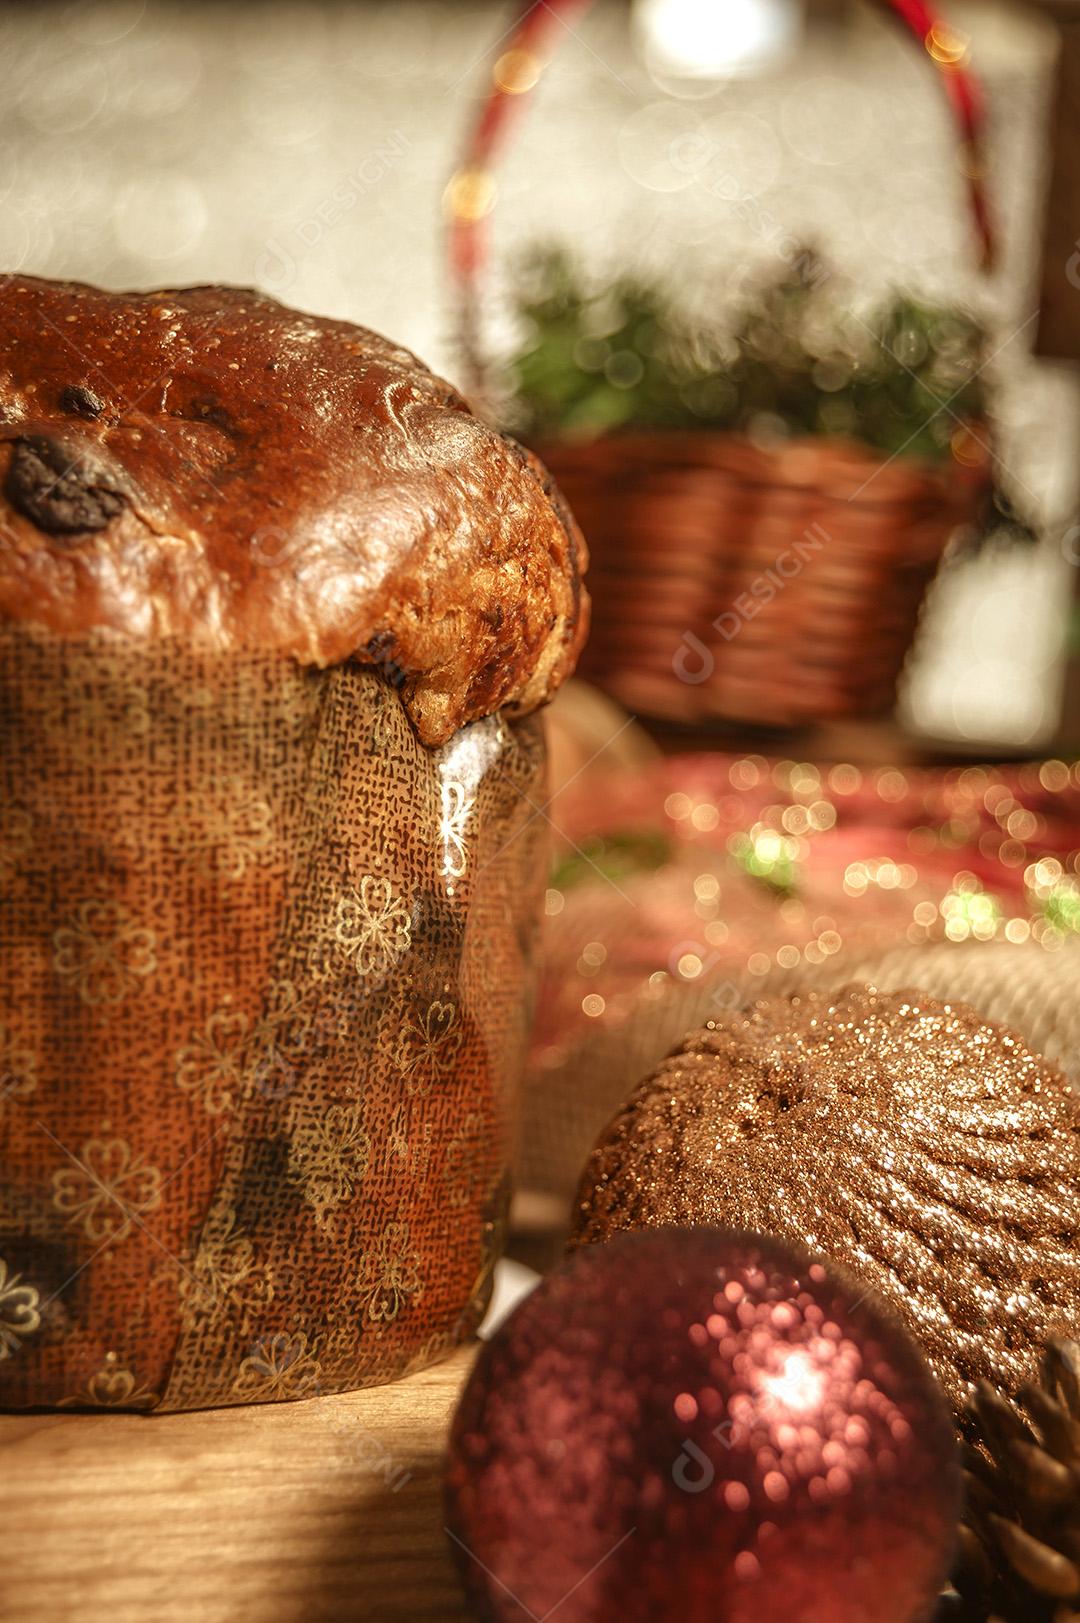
point(207, 465)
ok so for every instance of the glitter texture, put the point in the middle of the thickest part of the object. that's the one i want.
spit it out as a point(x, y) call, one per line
point(702, 1426)
point(912, 1142)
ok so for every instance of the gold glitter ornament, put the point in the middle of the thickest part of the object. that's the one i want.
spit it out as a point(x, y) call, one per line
point(921, 1147)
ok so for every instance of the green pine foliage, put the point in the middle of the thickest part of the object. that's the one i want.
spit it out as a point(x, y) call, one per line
point(792, 359)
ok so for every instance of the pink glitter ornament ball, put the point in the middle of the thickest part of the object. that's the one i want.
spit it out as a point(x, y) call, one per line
point(702, 1424)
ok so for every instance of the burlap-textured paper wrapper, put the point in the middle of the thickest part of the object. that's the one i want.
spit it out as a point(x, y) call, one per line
point(264, 973)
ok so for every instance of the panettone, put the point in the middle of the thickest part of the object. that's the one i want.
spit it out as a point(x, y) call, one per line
point(275, 609)
point(208, 465)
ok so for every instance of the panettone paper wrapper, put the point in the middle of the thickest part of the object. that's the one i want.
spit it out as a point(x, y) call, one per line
point(264, 989)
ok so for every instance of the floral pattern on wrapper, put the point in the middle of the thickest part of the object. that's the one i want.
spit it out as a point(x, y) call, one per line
point(265, 964)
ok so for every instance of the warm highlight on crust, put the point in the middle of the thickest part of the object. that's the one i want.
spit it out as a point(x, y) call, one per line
point(247, 477)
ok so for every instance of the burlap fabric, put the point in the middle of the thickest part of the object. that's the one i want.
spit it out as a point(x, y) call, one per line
point(263, 1001)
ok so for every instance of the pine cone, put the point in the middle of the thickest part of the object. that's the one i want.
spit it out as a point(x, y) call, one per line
point(1019, 1546)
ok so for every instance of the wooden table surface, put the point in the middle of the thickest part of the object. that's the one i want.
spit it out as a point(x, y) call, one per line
point(323, 1509)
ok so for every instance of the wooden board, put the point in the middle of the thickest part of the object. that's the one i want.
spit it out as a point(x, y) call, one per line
point(324, 1509)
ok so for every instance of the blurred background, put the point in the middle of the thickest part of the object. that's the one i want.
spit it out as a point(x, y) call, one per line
point(305, 148)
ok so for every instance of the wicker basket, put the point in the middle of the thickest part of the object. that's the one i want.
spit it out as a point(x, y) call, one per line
point(774, 585)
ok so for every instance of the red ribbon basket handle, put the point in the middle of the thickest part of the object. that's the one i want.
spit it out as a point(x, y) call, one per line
point(517, 68)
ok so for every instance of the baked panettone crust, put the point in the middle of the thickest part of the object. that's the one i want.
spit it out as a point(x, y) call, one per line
point(207, 465)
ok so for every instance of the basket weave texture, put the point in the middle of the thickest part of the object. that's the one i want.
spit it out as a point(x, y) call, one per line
point(771, 584)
